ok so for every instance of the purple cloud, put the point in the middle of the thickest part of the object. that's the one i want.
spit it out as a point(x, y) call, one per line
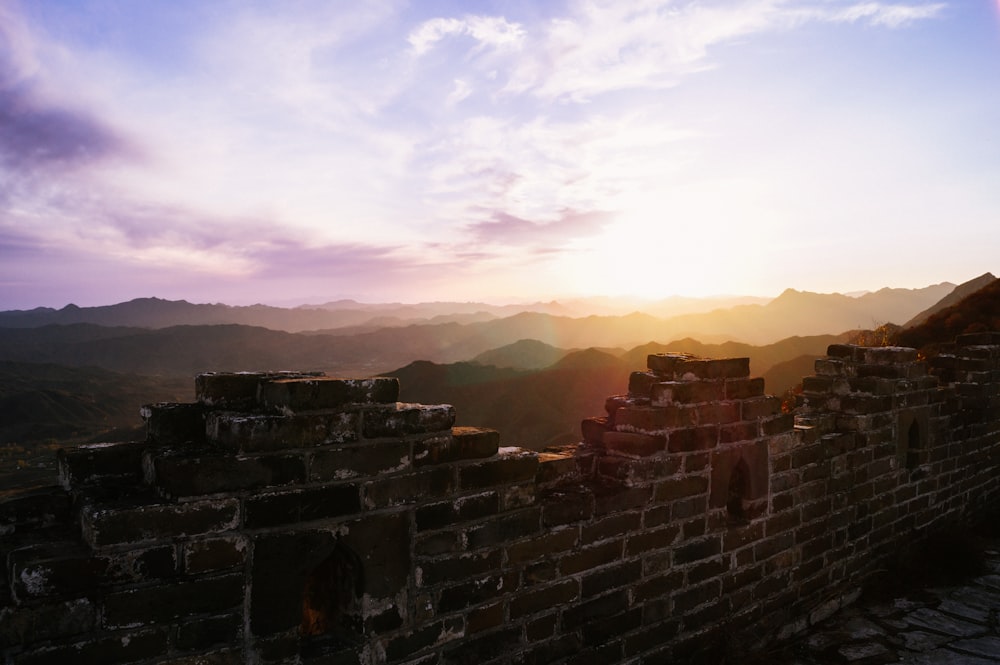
point(507, 229)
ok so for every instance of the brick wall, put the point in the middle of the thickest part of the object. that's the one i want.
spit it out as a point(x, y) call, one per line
point(286, 518)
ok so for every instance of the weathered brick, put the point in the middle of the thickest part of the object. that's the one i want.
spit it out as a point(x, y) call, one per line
point(35, 623)
point(157, 521)
point(104, 463)
point(407, 419)
point(633, 443)
point(594, 610)
point(371, 458)
point(609, 527)
point(255, 433)
point(476, 591)
point(71, 569)
point(511, 465)
point(506, 527)
point(693, 439)
point(171, 424)
point(214, 554)
point(680, 488)
point(545, 545)
point(162, 604)
point(123, 647)
point(697, 550)
point(651, 539)
point(183, 474)
point(408, 488)
point(687, 392)
point(527, 602)
point(610, 577)
point(314, 393)
point(459, 567)
point(590, 557)
point(301, 505)
point(461, 444)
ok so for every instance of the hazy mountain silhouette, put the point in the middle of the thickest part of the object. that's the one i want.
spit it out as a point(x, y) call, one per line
point(522, 354)
point(792, 313)
point(977, 312)
point(953, 298)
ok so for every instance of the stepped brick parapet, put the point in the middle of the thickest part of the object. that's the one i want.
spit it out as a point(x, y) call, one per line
point(298, 518)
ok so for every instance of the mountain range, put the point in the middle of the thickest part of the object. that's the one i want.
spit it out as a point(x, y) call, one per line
point(530, 374)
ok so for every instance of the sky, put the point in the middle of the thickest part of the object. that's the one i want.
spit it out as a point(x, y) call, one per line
point(515, 150)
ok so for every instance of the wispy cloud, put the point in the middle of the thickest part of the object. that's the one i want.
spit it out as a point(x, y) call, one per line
point(505, 229)
point(492, 31)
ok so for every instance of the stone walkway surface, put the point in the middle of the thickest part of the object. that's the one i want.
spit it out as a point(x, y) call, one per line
point(935, 626)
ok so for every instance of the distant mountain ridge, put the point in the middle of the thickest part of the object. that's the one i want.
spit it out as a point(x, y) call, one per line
point(791, 313)
point(957, 295)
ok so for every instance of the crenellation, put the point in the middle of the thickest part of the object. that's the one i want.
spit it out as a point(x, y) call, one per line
point(294, 517)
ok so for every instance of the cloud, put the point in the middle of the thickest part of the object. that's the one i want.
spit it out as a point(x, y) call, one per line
point(505, 229)
point(33, 136)
point(889, 15)
point(491, 31)
point(35, 132)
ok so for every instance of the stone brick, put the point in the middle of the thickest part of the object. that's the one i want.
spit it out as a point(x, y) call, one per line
point(35, 508)
point(71, 569)
point(205, 632)
point(162, 604)
point(610, 577)
point(614, 498)
point(723, 368)
point(590, 557)
point(171, 424)
point(654, 419)
point(543, 598)
point(151, 521)
point(511, 465)
point(484, 618)
point(633, 443)
point(484, 647)
point(697, 550)
point(475, 591)
point(680, 488)
point(740, 389)
point(301, 505)
point(592, 429)
point(315, 393)
point(693, 439)
point(563, 507)
point(651, 539)
point(183, 474)
point(255, 433)
point(506, 527)
point(458, 567)
point(463, 443)
point(609, 527)
point(29, 624)
point(236, 390)
point(668, 393)
point(594, 610)
point(408, 488)
point(214, 554)
point(640, 384)
point(122, 647)
point(104, 463)
point(543, 546)
point(371, 458)
point(407, 419)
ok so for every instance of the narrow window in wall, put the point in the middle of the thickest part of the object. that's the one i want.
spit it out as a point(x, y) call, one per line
point(739, 490)
point(913, 446)
point(330, 595)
